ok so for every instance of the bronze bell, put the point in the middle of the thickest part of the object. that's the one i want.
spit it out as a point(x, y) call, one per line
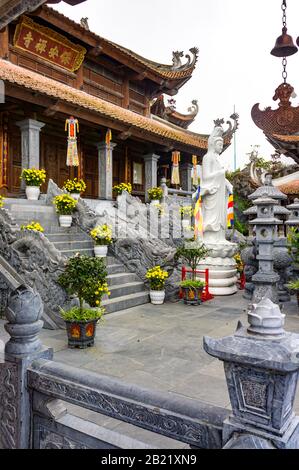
point(284, 45)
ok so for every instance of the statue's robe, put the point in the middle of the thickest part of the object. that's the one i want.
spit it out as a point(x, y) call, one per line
point(214, 199)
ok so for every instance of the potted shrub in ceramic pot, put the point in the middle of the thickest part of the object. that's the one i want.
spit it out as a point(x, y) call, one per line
point(33, 178)
point(155, 195)
point(157, 277)
point(1, 201)
point(192, 288)
point(65, 206)
point(102, 236)
point(293, 247)
point(75, 187)
point(186, 215)
point(84, 278)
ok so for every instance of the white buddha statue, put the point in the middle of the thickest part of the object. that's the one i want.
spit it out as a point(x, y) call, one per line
point(215, 190)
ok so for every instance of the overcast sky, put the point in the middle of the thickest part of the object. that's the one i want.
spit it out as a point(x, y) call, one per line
point(234, 38)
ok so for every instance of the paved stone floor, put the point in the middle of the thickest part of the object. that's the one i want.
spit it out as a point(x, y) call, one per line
point(160, 347)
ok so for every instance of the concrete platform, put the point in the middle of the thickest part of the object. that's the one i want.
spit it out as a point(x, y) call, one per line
point(160, 347)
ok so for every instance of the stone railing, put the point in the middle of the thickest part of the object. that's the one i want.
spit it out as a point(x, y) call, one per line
point(37, 262)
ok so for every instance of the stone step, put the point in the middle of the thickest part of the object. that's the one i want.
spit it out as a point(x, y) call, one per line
point(126, 301)
point(125, 289)
point(76, 245)
point(71, 253)
point(121, 278)
point(67, 237)
point(115, 269)
point(63, 230)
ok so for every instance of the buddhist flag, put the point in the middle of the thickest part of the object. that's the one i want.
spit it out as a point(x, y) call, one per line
point(175, 174)
point(198, 219)
point(194, 174)
point(108, 139)
point(72, 128)
point(230, 211)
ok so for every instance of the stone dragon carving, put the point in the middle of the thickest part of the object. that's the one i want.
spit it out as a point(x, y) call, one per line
point(8, 408)
point(38, 262)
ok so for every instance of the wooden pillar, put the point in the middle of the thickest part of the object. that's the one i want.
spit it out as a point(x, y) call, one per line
point(3, 152)
point(80, 78)
point(4, 43)
point(126, 93)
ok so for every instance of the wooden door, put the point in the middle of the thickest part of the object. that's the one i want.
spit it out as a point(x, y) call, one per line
point(53, 159)
point(89, 155)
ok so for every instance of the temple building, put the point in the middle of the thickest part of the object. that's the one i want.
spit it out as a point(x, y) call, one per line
point(53, 68)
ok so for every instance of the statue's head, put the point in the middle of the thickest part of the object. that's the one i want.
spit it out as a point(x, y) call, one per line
point(215, 141)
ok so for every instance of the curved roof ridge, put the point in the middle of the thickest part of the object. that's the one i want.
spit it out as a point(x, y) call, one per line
point(175, 71)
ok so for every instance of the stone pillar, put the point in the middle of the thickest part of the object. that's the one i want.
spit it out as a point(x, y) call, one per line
point(261, 368)
point(185, 176)
point(105, 170)
point(151, 172)
point(30, 141)
point(23, 313)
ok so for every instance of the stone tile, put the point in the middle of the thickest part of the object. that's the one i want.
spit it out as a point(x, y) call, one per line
point(209, 389)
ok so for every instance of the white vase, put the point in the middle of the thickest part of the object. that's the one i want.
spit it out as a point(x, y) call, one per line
point(32, 193)
point(75, 196)
point(65, 220)
point(157, 296)
point(155, 202)
point(100, 251)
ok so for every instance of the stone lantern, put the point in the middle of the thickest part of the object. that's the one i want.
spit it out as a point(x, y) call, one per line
point(266, 278)
point(293, 219)
point(261, 366)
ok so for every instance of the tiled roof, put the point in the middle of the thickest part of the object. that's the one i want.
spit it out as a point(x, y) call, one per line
point(290, 188)
point(164, 71)
point(47, 86)
point(287, 138)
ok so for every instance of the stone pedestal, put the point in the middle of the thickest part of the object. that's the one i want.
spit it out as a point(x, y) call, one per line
point(30, 141)
point(222, 268)
point(105, 162)
point(261, 368)
point(151, 171)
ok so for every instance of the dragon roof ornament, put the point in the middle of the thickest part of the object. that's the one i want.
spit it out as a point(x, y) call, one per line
point(177, 59)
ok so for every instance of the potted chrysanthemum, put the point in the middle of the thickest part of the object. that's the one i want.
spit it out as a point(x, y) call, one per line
point(33, 226)
point(75, 187)
point(157, 277)
point(65, 205)
point(1, 201)
point(33, 178)
point(155, 195)
point(119, 188)
point(102, 236)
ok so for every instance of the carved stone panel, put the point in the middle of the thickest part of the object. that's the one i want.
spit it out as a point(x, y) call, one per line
point(8, 406)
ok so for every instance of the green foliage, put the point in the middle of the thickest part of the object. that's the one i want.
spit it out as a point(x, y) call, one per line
point(82, 277)
point(294, 285)
point(191, 256)
point(230, 175)
point(241, 226)
point(293, 243)
point(192, 284)
point(264, 164)
point(84, 314)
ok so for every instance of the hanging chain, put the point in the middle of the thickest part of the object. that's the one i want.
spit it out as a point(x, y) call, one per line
point(284, 17)
point(284, 29)
point(284, 69)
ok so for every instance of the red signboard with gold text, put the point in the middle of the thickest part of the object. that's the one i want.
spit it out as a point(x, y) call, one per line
point(49, 45)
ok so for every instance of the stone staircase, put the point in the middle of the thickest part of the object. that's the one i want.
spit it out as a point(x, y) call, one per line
point(127, 290)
